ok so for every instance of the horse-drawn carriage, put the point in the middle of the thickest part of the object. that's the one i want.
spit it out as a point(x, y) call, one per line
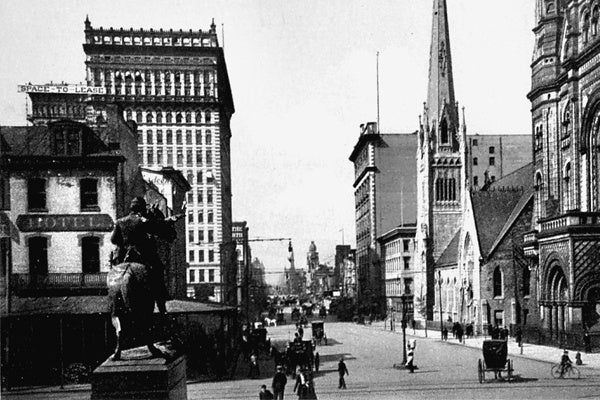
point(299, 354)
point(495, 360)
point(318, 332)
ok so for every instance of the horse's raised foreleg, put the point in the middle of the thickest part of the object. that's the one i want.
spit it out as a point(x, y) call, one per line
point(117, 354)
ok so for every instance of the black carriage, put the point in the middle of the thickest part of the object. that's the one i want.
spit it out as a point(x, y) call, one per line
point(318, 331)
point(258, 339)
point(307, 308)
point(495, 360)
point(300, 354)
point(280, 317)
point(295, 314)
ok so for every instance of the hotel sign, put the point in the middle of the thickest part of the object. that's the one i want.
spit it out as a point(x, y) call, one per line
point(64, 222)
point(61, 89)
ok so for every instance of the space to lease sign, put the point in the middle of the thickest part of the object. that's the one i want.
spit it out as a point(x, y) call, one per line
point(61, 89)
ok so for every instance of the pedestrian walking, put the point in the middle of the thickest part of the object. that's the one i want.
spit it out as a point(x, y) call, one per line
point(279, 382)
point(578, 360)
point(300, 386)
point(317, 360)
point(445, 334)
point(587, 342)
point(254, 370)
point(265, 394)
point(519, 336)
point(342, 370)
point(410, 355)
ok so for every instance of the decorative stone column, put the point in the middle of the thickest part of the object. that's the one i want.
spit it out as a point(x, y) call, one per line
point(554, 321)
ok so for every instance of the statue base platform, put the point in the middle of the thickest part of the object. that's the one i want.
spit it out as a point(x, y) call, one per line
point(139, 376)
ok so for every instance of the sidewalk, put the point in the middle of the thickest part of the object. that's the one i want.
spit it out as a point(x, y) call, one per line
point(531, 351)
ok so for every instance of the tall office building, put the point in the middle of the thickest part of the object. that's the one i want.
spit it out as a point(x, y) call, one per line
point(174, 85)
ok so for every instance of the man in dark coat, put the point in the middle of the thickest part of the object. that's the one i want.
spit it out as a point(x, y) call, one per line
point(279, 382)
point(265, 394)
point(134, 237)
point(342, 370)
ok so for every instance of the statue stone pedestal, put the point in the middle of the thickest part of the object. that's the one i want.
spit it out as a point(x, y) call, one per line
point(137, 376)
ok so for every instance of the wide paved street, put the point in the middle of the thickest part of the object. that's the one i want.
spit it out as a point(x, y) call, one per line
point(446, 371)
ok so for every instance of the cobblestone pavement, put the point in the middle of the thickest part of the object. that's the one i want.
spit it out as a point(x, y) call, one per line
point(445, 371)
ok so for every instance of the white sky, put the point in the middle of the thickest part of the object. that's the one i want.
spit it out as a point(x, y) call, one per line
point(303, 79)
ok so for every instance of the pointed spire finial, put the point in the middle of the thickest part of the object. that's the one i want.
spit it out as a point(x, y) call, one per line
point(88, 24)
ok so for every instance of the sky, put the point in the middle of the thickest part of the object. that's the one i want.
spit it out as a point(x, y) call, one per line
point(303, 77)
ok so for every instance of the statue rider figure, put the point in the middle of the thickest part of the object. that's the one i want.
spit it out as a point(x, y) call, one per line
point(134, 237)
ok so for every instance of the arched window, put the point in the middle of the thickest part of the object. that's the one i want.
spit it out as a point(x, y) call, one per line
point(444, 132)
point(595, 21)
point(550, 7)
point(188, 117)
point(198, 117)
point(128, 115)
point(178, 118)
point(438, 189)
point(207, 117)
point(497, 279)
point(169, 117)
point(567, 188)
point(538, 194)
point(585, 27)
point(159, 117)
point(526, 280)
point(452, 189)
point(149, 118)
point(138, 117)
point(567, 126)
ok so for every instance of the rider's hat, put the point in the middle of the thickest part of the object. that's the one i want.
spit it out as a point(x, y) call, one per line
point(138, 204)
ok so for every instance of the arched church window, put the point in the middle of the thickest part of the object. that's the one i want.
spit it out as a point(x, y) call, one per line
point(452, 189)
point(586, 27)
point(567, 188)
point(159, 118)
point(438, 189)
point(595, 21)
point(550, 7)
point(188, 117)
point(444, 132)
point(566, 123)
point(169, 118)
point(497, 280)
point(178, 118)
point(149, 118)
point(526, 280)
point(538, 138)
point(538, 194)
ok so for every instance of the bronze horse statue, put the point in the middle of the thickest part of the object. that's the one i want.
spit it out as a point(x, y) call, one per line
point(132, 305)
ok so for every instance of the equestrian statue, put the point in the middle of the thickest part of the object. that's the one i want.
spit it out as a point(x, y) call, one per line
point(136, 279)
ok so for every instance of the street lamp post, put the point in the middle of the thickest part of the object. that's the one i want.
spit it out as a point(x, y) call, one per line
point(440, 286)
point(404, 305)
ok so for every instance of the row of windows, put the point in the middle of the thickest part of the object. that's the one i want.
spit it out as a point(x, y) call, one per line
point(395, 264)
point(157, 82)
point(58, 110)
point(200, 217)
point(200, 275)
point(200, 256)
point(151, 137)
point(199, 196)
point(201, 238)
point(395, 246)
point(38, 255)
point(170, 117)
point(445, 189)
point(491, 161)
point(590, 24)
point(165, 158)
point(154, 40)
point(36, 194)
point(393, 288)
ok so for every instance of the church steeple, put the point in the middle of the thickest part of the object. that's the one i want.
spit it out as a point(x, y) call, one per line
point(441, 112)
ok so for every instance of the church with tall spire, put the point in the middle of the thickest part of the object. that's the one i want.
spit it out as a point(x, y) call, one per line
point(441, 176)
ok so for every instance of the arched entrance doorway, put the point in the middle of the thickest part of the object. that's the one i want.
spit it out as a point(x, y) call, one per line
point(591, 310)
point(557, 297)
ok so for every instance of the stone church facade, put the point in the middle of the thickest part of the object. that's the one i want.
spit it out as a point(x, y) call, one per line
point(564, 245)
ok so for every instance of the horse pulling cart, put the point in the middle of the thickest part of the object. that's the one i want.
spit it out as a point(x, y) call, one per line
point(495, 360)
